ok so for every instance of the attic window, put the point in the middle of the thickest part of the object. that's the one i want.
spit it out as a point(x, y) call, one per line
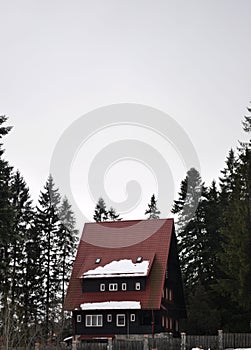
point(97, 261)
point(137, 286)
point(139, 259)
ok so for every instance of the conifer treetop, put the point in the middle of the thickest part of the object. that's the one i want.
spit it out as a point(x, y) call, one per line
point(152, 209)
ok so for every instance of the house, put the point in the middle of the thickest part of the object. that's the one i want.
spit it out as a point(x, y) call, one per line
point(126, 279)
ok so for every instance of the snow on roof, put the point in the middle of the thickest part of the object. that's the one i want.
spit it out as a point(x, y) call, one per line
point(109, 305)
point(120, 268)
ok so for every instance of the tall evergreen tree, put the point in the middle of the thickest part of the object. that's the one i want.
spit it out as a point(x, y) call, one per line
point(212, 237)
point(6, 212)
point(67, 243)
point(48, 225)
point(112, 215)
point(6, 239)
point(100, 213)
point(191, 229)
point(152, 209)
point(23, 215)
point(235, 282)
point(21, 280)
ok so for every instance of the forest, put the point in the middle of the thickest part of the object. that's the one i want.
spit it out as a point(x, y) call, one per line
point(38, 245)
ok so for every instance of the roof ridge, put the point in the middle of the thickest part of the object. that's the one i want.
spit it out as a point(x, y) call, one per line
point(131, 220)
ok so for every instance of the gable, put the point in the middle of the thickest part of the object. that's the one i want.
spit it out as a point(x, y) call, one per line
point(114, 261)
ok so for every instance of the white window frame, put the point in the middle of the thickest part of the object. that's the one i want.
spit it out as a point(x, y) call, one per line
point(109, 318)
point(137, 286)
point(117, 317)
point(124, 286)
point(113, 287)
point(132, 317)
point(102, 287)
point(94, 320)
point(79, 318)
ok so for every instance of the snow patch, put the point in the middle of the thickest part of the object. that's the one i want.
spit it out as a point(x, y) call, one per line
point(110, 305)
point(120, 268)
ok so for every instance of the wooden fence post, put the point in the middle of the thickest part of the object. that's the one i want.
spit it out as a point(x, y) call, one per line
point(220, 339)
point(109, 344)
point(146, 346)
point(183, 341)
point(74, 344)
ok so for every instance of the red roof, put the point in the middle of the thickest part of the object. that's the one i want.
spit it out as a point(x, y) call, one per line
point(117, 240)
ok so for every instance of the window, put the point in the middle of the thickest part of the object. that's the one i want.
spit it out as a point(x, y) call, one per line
point(137, 285)
point(113, 287)
point(98, 260)
point(79, 318)
point(123, 286)
point(132, 317)
point(102, 287)
point(94, 320)
point(120, 320)
point(109, 318)
point(139, 259)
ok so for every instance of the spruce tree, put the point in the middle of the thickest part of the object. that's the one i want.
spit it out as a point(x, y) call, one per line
point(235, 281)
point(6, 211)
point(112, 215)
point(23, 215)
point(68, 236)
point(152, 209)
point(191, 228)
point(21, 281)
point(100, 213)
point(213, 239)
point(48, 226)
point(6, 241)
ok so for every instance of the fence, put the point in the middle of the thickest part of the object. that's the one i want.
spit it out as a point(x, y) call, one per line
point(165, 342)
point(186, 342)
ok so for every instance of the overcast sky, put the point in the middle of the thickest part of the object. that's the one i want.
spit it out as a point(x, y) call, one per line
point(62, 59)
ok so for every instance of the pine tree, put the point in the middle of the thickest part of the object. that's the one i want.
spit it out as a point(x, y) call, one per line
point(152, 209)
point(100, 213)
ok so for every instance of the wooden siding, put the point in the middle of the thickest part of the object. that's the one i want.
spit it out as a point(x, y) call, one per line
point(141, 325)
point(93, 284)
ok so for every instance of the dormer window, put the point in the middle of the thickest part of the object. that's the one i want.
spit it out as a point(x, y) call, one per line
point(113, 287)
point(123, 286)
point(139, 259)
point(137, 285)
point(98, 260)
